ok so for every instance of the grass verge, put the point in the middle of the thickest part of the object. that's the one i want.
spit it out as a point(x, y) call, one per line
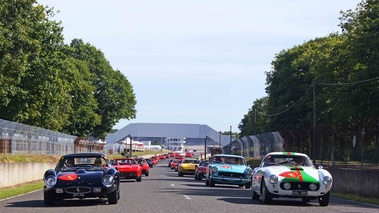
point(20, 189)
point(370, 200)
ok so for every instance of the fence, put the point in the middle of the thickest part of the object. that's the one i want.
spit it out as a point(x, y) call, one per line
point(335, 146)
point(17, 139)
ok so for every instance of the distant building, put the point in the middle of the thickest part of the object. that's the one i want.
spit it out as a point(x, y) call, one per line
point(194, 135)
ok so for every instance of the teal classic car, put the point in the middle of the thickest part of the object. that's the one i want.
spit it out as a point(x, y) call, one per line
point(228, 169)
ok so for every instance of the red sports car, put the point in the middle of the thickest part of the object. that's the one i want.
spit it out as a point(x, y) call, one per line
point(128, 168)
point(155, 160)
point(145, 166)
point(189, 154)
point(175, 163)
point(201, 170)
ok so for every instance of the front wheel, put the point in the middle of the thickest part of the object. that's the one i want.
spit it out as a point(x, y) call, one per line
point(48, 198)
point(139, 179)
point(247, 186)
point(266, 195)
point(212, 183)
point(324, 200)
point(113, 197)
point(255, 195)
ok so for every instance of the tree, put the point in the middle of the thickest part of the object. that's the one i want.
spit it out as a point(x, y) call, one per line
point(31, 66)
point(114, 93)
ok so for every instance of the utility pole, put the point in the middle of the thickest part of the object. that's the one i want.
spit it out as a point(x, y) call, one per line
point(131, 145)
point(205, 148)
point(255, 121)
point(314, 124)
point(230, 140)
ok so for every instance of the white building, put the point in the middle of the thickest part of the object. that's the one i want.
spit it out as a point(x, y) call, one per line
point(175, 144)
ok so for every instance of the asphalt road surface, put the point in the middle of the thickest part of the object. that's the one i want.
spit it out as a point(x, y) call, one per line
point(164, 192)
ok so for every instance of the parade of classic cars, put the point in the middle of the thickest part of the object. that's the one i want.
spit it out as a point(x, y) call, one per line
point(280, 174)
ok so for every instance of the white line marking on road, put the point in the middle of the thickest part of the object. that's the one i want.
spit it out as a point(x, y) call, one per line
point(187, 197)
point(172, 185)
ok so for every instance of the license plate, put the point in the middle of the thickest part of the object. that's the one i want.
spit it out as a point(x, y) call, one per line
point(299, 193)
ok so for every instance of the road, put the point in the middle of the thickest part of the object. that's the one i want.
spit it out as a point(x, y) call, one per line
point(164, 192)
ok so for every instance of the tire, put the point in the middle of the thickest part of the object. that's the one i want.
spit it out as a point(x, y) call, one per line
point(48, 198)
point(113, 197)
point(211, 182)
point(200, 177)
point(247, 186)
point(147, 173)
point(255, 195)
point(207, 181)
point(196, 178)
point(266, 195)
point(139, 179)
point(180, 174)
point(324, 200)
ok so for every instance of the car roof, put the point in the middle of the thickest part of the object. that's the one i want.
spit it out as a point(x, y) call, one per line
point(227, 155)
point(91, 154)
point(287, 153)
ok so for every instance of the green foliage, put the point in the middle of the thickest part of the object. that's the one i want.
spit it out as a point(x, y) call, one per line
point(343, 71)
point(45, 83)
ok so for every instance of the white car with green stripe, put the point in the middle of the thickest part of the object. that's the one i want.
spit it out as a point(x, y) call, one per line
point(290, 174)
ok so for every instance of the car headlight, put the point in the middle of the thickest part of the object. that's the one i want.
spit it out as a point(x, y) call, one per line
point(286, 185)
point(327, 180)
point(312, 186)
point(215, 169)
point(273, 179)
point(249, 170)
point(50, 181)
point(108, 180)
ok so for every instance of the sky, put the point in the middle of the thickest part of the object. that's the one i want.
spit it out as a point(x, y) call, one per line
point(196, 61)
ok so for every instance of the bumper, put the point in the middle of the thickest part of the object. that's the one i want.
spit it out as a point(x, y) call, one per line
point(80, 192)
point(230, 180)
point(279, 192)
point(188, 172)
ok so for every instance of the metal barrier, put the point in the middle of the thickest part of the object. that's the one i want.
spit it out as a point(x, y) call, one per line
point(17, 139)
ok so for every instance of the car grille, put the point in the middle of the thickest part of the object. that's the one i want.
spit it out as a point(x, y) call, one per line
point(299, 186)
point(131, 174)
point(78, 190)
point(232, 174)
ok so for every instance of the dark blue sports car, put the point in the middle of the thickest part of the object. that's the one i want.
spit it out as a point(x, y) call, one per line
point(82, 175)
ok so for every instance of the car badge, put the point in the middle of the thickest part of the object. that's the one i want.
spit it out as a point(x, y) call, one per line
point(78, 190)
point(298, 186)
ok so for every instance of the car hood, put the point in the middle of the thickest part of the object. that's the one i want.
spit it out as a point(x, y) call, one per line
point(127, 167)
point(189, 165)
point(295, 173)
point(230, 168)
point(81, 176)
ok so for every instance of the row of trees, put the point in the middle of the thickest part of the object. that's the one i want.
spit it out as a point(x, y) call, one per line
point(49, 84)
point(336, 76)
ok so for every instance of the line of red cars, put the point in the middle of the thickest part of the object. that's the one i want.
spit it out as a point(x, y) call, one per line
point(132, 168)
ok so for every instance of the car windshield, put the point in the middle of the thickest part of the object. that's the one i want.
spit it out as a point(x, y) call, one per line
point(124, 162)
point(69, 163)
point(229, 160)
point(275, 160)
point(204, 163)
point(191, 161)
